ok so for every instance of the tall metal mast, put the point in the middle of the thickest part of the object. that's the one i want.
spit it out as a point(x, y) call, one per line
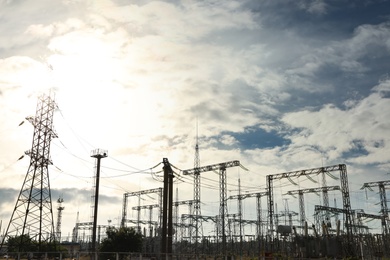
point(33, 213)
point(198, 230)
point(98, 154)
point(60, 208)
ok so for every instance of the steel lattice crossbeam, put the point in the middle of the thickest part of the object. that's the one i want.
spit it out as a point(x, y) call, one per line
point(213, 167)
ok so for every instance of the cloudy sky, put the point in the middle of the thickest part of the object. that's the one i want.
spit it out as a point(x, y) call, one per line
point(280, 85)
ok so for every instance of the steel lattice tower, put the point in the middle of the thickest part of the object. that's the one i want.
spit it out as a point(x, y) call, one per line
point(223, 212)
point(60, 208)
point(33, 213)
point(198, 230)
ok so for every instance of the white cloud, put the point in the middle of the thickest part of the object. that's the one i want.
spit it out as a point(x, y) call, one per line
point(334, 130)
point(24, 72)
point(228, 140)
point(172, 21)
point(314, 7)
point(133, 79)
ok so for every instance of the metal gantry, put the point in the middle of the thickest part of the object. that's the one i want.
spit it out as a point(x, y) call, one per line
point(258, 195)
point(176, 216)
point(149, 222)
point(344, 190)
point(361, 215)
point(221, 167)
point(300, 193)
point(126, 195)
point(383, 200)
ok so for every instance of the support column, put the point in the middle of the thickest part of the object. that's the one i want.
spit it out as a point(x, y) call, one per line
point(98, 154)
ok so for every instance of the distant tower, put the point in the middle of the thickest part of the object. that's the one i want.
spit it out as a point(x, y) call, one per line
point(33, 214)
point(197, 212)
point(75, 231)
point(60, 208)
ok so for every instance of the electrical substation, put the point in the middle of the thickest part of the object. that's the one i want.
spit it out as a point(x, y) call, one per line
point(246, 224)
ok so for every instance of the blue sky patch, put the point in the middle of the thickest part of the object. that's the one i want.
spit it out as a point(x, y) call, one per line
point(357, 150)
point(258, 138)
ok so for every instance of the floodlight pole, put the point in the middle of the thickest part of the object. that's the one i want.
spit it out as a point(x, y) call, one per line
point(98, 154)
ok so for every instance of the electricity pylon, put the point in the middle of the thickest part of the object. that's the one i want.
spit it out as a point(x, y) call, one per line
point(198, 229)
point(32, 217)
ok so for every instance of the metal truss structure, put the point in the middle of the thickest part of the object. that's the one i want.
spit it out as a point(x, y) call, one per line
point(221, 167)
point(158, 191)
point(383, 200)
point(348, 225)
point(32, 217)
point(300, 193)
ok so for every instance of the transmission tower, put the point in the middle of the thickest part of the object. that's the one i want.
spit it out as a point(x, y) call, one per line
point(60, 208)
point(198, 230)
point(32, 217)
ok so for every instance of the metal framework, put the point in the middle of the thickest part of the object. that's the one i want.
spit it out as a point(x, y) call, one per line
point(384, 209)
point(223, 223)
point(176, 204)
point(139, 193)
point(302, 201)
point(60, 208)
point(198, 229)
point(361, 215)
point(258, 195)
point(150, 222)
point(344, 190)
point(33, 212)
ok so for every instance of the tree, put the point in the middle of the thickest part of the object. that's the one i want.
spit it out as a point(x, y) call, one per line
point(25, 244)
point(22, 243)
point(124, 239)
